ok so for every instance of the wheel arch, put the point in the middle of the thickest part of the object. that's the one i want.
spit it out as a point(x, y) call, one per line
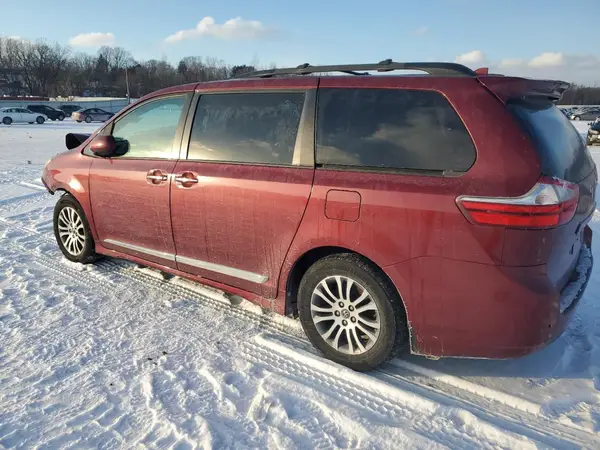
point(310, 257)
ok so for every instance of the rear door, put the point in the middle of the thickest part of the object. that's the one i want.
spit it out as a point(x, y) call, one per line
point(238, 198)
point(129, 193)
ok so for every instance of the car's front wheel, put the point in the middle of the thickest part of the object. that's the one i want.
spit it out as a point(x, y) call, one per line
point(72, 231)
point(350, 311)
point(40, 120)
point(6, 120)
point(88, 119)
point(61, 117)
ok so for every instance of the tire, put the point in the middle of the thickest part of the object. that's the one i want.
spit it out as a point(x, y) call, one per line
point(61, 117)
point(31, 123)
point(577, 118)
point(66, 213)
point(88, 119)
point(79, 121)
point(7, 120)
point(40, 120)
point(380, 294)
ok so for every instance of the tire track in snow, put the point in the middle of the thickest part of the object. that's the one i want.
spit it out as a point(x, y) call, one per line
point(176, 292)
point(532, 426)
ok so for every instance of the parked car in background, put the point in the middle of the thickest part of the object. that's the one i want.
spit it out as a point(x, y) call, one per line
point(589, 114)
point(593, 134)
point(91, 115)
point(386, 211)
point(49, 111)
point(19, 115)
point(69, 109)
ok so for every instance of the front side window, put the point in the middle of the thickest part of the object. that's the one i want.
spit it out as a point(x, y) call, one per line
point(149, 130)
point(391, 129)
point(248, 128)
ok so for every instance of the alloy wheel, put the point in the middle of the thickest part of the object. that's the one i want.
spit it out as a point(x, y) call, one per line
point(71, 230)
point(345, 315)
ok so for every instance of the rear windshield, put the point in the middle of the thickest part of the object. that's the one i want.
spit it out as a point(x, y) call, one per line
point(561, 149)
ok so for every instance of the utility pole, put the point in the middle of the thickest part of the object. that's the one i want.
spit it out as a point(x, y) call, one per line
point(127, 83)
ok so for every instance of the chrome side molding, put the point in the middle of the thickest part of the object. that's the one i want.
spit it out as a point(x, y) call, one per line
point(217, 268)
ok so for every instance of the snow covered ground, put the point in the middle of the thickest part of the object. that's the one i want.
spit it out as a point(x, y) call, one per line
point(113, 356)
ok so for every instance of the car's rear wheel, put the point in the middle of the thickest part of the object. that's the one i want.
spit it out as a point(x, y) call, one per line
point(7, 120)
point(79, 121)
point(61, 117)
point(351, 312)
point(88, 119)
point(40, 120)
point(72, 231)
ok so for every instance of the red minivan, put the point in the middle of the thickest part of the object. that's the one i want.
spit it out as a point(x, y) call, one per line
point(445, 212)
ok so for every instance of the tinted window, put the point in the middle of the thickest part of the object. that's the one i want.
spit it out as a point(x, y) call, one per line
point(561, 149)
point(396, 129)
point(251, 128)
point(149, 130)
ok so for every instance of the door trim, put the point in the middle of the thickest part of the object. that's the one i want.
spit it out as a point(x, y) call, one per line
point(225, 270)
point(137, 248)
point(218, 268)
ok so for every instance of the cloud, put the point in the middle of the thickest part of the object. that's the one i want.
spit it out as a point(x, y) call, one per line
point(510, 62)
point(574, 68)
point(237, 28)
point(548, 60)
point(474, 57)
point(92, 39)
point(421, 31)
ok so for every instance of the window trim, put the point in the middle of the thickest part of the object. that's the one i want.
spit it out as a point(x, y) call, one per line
point(304, 147)
point(394, 170)
point(176, 147)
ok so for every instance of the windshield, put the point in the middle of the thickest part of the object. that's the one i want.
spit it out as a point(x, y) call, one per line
point(561, 149)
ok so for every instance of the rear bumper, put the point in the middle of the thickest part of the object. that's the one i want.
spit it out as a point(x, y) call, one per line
point(464, 309)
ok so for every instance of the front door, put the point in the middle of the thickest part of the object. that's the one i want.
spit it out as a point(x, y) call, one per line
point(238, 199)
point(129, 192)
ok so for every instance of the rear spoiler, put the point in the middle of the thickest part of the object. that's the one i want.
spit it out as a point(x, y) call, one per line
point(510, 88)
point(74, 140)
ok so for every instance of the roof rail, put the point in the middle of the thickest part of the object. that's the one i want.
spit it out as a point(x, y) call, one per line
point(432, 68)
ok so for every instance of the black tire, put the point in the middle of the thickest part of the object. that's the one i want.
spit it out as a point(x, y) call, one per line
point(88, 119)
point(88, 254)
point(7, 120)
point(393, 332)
point(40, 120)
point(61, 117)
point(79, 121)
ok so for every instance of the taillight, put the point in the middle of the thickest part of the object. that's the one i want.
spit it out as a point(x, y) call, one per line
point(550, 203)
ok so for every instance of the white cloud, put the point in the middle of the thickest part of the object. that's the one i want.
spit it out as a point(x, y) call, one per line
point(548, 59)
point(237, 28)
point(472, 58)
point(92, 39)
point(421, 31)
point(581, 69)
point(510, 62)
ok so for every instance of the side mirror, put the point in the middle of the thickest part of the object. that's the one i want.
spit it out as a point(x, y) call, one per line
point(104, 146)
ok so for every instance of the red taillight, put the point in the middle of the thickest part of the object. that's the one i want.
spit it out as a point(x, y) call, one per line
point(550, 203)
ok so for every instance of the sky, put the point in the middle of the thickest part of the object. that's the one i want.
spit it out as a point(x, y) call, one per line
point(542, 39)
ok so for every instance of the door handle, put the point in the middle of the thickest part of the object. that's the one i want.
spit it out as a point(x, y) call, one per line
point(156, 176)
point(186, 179)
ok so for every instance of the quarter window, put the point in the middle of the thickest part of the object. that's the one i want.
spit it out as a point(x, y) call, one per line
point(247, 128)
point(149, 130)
point(391, 129)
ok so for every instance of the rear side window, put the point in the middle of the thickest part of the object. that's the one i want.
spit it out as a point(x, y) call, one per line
point(391, 129)
point(561, 149)
point(248, 128)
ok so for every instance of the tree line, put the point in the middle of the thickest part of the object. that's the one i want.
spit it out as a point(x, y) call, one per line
point(48, 69)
